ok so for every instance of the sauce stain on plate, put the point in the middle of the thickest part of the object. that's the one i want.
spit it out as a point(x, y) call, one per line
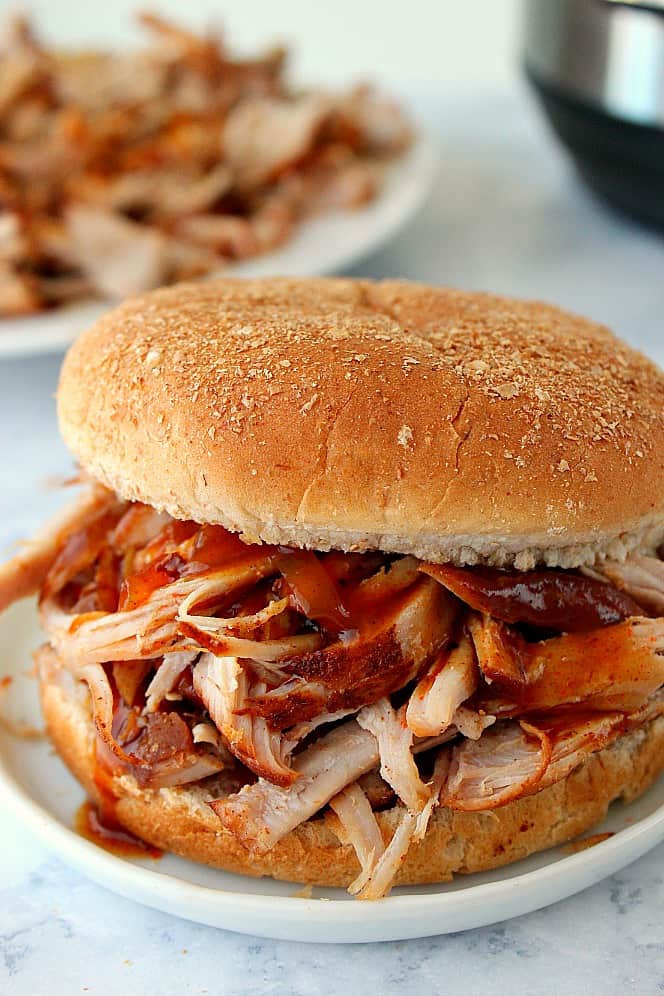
point(110, 835)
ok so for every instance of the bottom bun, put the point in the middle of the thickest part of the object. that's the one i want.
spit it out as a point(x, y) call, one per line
point(179, 819)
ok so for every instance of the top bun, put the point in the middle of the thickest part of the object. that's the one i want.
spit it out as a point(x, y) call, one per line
point(349, 414)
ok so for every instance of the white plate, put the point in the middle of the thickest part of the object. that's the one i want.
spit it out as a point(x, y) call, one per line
point(326, 244)
point(36, 785)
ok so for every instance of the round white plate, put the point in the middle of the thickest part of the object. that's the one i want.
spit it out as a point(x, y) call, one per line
point(326, 244)
point(38, 788)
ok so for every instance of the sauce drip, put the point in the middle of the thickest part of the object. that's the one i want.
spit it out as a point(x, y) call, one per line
point(183, 549)
point(313, 589)
point(305, 575)
point(340, 605)
point(214, 545)
point(548, 599)
point(99, 825)
point(137, 588)
point(98, 822)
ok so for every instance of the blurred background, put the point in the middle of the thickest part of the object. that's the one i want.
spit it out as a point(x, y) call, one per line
point(419, 46)
point(508, 212)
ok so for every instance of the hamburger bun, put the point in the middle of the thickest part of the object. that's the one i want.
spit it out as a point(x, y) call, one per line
point(180, 820)
point(337, 413)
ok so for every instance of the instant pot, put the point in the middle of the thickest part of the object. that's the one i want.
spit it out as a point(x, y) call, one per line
point(598, 69)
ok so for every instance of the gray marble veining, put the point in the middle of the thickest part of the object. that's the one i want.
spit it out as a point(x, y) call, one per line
point(607, 939)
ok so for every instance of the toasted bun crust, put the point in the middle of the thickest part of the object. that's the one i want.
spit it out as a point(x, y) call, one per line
point(349, 414)
point(179, 819)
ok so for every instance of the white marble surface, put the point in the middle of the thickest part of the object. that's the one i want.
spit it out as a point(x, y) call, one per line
point(507, 214)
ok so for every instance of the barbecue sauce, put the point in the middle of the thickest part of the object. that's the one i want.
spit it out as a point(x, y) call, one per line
point(314, 591)
point(209, 547)
point(98, 821)
point(305, 575)
point(99, 825)
point(137, 588)
point(555, 600)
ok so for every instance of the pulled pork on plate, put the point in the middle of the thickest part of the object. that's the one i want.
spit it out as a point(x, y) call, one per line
point(341, 683)
point(121, 172)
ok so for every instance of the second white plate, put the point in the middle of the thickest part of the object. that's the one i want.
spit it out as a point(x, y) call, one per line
point(36, 786)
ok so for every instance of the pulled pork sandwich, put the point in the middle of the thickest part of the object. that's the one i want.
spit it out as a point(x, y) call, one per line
point(363, 586)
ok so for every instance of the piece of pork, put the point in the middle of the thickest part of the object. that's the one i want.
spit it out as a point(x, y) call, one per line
point(377, 876)
point(263, 136)
point(377, 120)
point(166, 676)
point(574, 737)
point(25, 573)
point(161, 192)
point(616, 667)
point(471, 723)
point(516, 759)
point(160, 751)
point(395, 743)
point(497, 651)
point(218, 634)
point(394, 855)
point(19, 291)
point(152, 628)
point(259, 815)
point(226, 234)
point(451, 679)
point(504, 764)
point(359, 828)
point(302, 730)
point(390, 649)
point(223, 685)
point(641, 577)
point(138, 526)
point(118, 256)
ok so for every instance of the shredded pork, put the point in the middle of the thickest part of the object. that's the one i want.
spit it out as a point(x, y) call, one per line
point(641, 577)
point(260, 815)
point(370, 663)
point(352, 681)
point(504, 764)
point(26, 571)
point(395, 742)
point(623, 666)
point(223, 686)
point(165, 677)
point(361, 829)
point(451, 680)
point(389, 863)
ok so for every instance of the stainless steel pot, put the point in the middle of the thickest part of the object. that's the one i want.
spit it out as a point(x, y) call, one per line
point(598, 68)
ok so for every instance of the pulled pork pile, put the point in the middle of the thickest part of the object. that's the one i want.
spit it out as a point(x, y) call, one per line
point(350, 681)
point(122, 172)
